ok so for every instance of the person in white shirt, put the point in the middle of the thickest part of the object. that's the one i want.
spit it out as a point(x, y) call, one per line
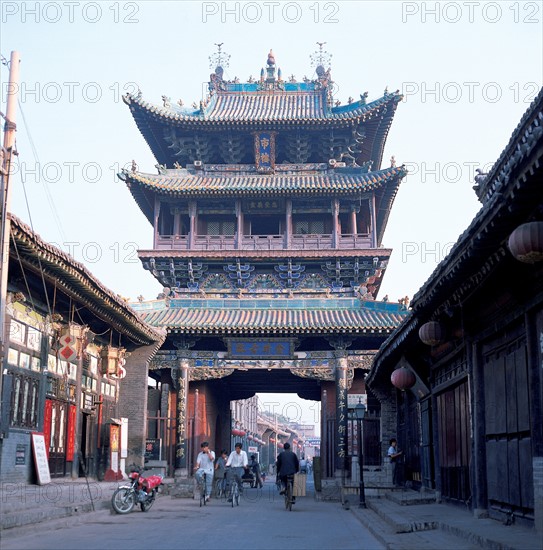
point(394, 456)
point(205, 464)
point(237, 462)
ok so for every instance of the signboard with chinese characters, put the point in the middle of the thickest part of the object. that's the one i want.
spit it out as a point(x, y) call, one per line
point(40, 459)
point(265, 151)
point(264, 348)
point(153, 449)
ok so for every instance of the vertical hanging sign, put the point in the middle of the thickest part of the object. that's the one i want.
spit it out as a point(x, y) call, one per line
point(70, 446)
point(265, 151)
point(47, 417)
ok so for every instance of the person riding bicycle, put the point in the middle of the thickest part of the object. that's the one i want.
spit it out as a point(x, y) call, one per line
point(220, 472)
point(204, 464)
point(237, 462)
point(287, 465)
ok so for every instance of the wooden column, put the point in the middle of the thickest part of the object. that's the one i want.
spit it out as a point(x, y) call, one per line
point(341, 411)
point(155, 221)
point(373, 222)
point(288, 223)
point(182, 420)
point(239, 230)
point(335, 222)
point(324, 433)
point(192, 224)
point(354, 229)
point(176, 221)
point(478, 466)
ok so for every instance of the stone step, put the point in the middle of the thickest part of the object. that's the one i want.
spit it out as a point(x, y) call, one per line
point(407, 498)
point(399, 520)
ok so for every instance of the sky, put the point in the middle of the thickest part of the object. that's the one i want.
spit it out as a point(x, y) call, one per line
point(468, 71)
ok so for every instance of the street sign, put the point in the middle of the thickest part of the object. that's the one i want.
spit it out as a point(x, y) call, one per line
point(354, 398)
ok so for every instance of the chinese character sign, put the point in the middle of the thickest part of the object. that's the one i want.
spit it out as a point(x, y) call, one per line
point(265, 151)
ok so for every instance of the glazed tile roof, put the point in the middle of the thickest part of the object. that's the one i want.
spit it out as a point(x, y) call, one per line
point(340, 181)
point(275, 316)
point(253, 107)
point(74, 278)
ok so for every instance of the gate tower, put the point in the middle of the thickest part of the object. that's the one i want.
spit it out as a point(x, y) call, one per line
point(268, 209)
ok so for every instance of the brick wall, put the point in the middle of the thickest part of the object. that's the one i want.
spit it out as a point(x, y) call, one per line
point(133, 401)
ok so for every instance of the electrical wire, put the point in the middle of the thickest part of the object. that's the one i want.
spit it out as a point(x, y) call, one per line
point(48, 194)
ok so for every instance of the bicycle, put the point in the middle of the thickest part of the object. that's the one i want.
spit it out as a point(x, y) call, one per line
point(203, 487)
point(234, 494)
point(289, 490)
point(220, 487)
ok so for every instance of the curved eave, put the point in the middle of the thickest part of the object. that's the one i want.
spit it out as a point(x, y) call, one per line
point(266, 255)
point(76, 281)
point(152, 120)
point(205, 321)
point(269, 184)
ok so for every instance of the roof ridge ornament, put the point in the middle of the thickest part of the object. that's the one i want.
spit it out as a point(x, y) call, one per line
point(218, 61)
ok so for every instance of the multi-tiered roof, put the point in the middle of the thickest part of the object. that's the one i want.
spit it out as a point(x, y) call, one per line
point(268, 189)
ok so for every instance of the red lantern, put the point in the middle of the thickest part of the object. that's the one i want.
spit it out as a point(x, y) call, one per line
point(526, 242)
point(432, 333)
point(403, 378)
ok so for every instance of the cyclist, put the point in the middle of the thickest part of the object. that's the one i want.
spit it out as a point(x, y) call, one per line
point(287, 465)
point(220, 472)
point(204, 464)
point(237, 462)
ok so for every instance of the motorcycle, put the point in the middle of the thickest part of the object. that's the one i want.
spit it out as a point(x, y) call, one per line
point(142, 490)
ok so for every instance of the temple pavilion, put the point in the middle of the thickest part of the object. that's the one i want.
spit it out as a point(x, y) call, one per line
point(268, 211)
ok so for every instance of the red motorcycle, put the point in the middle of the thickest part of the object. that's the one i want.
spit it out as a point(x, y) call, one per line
point(142, 490)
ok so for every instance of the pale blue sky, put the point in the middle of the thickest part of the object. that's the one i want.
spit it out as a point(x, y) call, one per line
point(78, 59)
point(468, 78)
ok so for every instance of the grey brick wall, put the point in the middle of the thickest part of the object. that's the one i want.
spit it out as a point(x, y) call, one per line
point(133, 401)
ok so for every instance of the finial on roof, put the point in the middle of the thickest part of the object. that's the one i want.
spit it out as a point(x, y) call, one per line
point(392, 161)
point(271, 58)
point(321, 60)
point(292, 78)
point(219, 59)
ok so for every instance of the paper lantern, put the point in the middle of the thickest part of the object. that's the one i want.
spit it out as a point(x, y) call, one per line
point(432, 333)
point(526, 242)
point(403, 378)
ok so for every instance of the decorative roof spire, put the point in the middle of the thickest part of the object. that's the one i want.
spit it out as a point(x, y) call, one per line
point(219, 59)
point(321, 60)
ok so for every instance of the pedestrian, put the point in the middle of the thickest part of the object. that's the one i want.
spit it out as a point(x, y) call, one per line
point(287, 465)
point(255, 468)
point(394, 456)
point(204, 465)
point(237, 461)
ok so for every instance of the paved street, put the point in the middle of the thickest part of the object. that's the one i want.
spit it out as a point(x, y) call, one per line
point(260, 522)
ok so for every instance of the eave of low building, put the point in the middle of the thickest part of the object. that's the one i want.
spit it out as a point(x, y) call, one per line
point(482, 247)
point(62, 272)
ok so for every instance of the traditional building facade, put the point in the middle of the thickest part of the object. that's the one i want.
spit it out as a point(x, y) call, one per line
point(268, 212)
point(471, 350)
point(72, 349)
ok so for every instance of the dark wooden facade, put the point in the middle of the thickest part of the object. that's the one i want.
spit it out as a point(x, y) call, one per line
point(478, 387)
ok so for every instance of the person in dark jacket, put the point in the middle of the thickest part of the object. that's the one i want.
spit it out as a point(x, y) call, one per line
point(287, 465)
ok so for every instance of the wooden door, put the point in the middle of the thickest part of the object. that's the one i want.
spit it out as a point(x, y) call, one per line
point(58, 420)
point(507, 429)
point(453, 417)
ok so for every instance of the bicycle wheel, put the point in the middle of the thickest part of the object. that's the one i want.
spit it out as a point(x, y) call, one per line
point(237, 497)
point(288, 496)
point(233, 494)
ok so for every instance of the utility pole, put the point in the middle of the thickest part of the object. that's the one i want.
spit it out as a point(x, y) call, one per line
point(5, 171)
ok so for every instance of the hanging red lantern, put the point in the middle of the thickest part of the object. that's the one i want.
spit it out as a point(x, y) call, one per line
point(432, 333)
point(403, 378)
point(526, 242)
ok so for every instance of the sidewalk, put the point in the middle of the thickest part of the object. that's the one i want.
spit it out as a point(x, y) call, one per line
point(22, 504)
point(400, 523)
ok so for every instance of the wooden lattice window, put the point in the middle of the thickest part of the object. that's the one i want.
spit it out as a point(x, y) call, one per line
point(24, 401)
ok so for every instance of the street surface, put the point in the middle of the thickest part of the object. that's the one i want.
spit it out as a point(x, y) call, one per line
point(260, 522)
